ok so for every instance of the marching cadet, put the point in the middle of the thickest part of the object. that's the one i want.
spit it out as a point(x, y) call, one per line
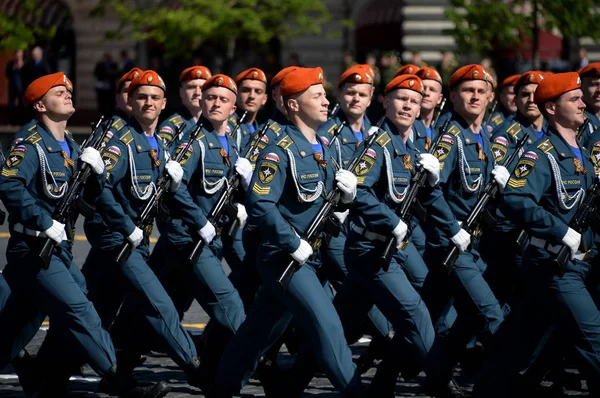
point(432, 97)
point(134, 161)
point(506, 103)
point(285, 194)
point(504, 265)
point(123, 112)
point(466, 167)
point(544, 192)
point(590, 85)
point(190, 92)
point(252, 95)
point(208, 164)
point(384, 177)
point(408, 69)
point(33, 180)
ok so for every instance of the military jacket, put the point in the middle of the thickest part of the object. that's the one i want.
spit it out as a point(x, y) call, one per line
point(593, 125)
point(344, 146)
point(169, 128)
point(244, 133)
point(276, 127)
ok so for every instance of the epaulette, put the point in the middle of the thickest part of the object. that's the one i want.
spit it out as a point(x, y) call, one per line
point(453, 130)
point(285, 142)
point(200, 136)
point(32, 127)
point(68, 132)
point(34, 138)
point(332, 129)
point(383, 139)
point(276, 128)
point(233, 119)
point(497, 119)
point(176, 120)
point(514, 129)
point(545, 146)
point(118, 124)
point(126, 138)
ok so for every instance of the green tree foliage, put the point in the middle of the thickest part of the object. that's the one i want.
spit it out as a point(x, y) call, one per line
point(17, 33)
point(185, 24)
point(480, 25)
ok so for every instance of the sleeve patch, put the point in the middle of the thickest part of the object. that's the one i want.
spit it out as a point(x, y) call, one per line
point(524, 168)
point(442, 151)
point(267, 172)
point(516, 183)
point(531, 155)
point(9, 173)
point(110, 160)
point(188, 154)
point(499, 149)
point(596, 153)
point(272, 157)
point(114, 150)
point(260, 190)
point(447, 138)
point(325, 140)
point(15, 157)
point(364, 166)
point(371, 153)
point(166, 129)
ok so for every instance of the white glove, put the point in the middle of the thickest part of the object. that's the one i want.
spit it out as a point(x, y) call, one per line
point(346, 182)
point(501, 176)
point(244, 169)
point(461, 240)
point(572, 239)
point(136, 237)
point(174, 171)
point(208, 233)
point(303, 252)
point(432, 165)
point(341, 215)
point(400, 233)
point(56, 232)
point(92, 157)
point(242, 215)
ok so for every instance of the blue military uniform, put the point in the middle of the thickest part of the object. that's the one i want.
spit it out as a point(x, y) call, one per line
point(466, 165)
point(592, 126)
point(32, 181)
point(244, 133)
point(498, 118)
point(544, 192)
point(133, 167)
point(285, 194)
point(168, 129)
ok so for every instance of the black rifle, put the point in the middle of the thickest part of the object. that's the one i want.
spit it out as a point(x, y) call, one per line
point(241, 120)
point(336, 135)
point(473, 223)
point(408, 206)
point(334, 111)
point(177, 133)
point(582, 128)
point(440, 111)
point(580, 224)
point(489, 116)
point(72, 202)
point(318, 224)
point(146, 218)
point(225, 205)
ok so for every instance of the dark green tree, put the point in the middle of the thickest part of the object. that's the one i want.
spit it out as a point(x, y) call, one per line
point(17, 33)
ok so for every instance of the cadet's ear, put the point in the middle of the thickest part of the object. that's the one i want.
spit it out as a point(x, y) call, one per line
point(39, 106)
point(550, 108)
point(292, 104)
point(233, 108)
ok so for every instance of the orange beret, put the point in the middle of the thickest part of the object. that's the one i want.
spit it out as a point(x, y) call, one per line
point(408, 69)
point(220, 80)
point(278, 78)
point(40, 86)
point(470, 72)
point(147, 78)
point(356, 74)
point(410, 82)
point(509, 81)
point(251, 74)
point(300, 80)
point(427, 73)
point(553, 86)
point(531, 77)
point(195, 72)
point(590, 70)
point(368, 68)
point(127, 77)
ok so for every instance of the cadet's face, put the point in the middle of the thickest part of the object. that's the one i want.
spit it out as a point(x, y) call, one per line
point(58, 102)
point(146, 103)
point(470, 98)
point(432, 94)
point(355, 98)
point(525, 102)
point(252, 94)
point(507, 98)
point(218, 103)
point(591, 91)
point(402, 106)
point(190, 92)
point(121, 99)
point(568, 109)
point(312, 105)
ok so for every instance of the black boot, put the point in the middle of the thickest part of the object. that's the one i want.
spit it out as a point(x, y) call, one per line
point(199, 377)
point(376, 350)
point(442, 390)
point(384, 381)
point(27, 369)
point(121, 385)
point(269, 375)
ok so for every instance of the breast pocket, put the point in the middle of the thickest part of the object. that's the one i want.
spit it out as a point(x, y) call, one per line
point(308, 180)
point(143, 180)
point(213, 171)
point(473, 170)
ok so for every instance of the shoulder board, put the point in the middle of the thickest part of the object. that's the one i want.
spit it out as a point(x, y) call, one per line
point(285, 142)
point(200, 136)
point(545, 146)
point(383, 139)
point(498, 119)
point(453, 130)
point(176, 120)
point(275, 127)
point(32, 127)
point(68, 132)
point(126, 138)
point(118, 124)
point(514, 129)
point(233, 120)
point(34, 138)
point(332, 128)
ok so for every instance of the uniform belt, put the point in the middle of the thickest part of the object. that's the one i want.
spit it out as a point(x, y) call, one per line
point(30, 232)
point(368, 234)
point(554, 249)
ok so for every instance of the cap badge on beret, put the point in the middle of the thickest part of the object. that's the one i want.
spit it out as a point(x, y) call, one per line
point(254, 74)
point(357, 77)
point(579, 81)
point(231, 84)
point(220, 81)
point(320, 77)
point(135, 75)
point(475, 74)
point(369, 79)
point(410, 71)
point(411, 83)
point(427, 74)
point(150, 79)
point(67, 83)
point(198, 74)
point(531, 77)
